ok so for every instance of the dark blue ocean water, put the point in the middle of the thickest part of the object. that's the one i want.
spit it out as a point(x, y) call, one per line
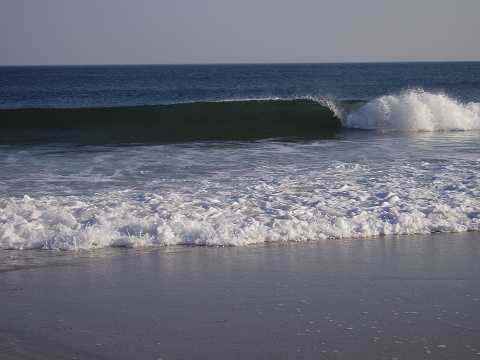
point(101, 86)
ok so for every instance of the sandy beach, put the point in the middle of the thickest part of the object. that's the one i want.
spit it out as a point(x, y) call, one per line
point(399, 298)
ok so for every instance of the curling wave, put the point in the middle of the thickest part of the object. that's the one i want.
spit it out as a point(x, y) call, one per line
point(413, 110)
point(224, 120)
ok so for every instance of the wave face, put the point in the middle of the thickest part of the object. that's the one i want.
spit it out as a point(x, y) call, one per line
point(224, 120)
point(415, 110)
point(412, 111)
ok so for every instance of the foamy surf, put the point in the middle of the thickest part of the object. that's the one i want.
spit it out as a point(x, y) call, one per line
point(414, 110)
point(343, 200)
point(351, 185)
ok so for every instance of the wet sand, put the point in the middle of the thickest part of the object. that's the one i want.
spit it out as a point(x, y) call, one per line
point(402, 298)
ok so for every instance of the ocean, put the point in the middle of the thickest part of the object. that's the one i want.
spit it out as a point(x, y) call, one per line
point(136, 156)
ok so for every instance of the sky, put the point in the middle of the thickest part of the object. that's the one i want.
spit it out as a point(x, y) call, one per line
point(50, 32)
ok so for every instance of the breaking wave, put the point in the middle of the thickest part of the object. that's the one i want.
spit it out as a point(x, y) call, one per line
point(413, 110)
point(223, 120)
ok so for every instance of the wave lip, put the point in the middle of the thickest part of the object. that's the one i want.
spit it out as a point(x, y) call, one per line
point(414, 110)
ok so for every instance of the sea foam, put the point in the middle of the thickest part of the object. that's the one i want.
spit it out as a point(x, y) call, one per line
point(414, 110)
point(344, 200)
point(254, 192)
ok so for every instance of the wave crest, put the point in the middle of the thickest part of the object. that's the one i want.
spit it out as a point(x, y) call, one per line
point(414, 110)
point(247, 119)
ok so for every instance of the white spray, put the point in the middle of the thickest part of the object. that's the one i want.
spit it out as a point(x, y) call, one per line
point(414, 110)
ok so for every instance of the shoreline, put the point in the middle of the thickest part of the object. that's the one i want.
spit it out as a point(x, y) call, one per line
point(409, 297)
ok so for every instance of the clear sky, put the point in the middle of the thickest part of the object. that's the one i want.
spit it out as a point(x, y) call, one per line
point(226, 31)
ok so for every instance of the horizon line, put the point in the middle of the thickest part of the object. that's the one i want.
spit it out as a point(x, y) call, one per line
point(248, 63)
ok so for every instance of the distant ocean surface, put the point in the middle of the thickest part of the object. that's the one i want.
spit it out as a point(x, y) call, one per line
point(133, 156)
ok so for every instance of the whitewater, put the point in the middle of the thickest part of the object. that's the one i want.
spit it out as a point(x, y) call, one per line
point(415, 169)
point(414, 110)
